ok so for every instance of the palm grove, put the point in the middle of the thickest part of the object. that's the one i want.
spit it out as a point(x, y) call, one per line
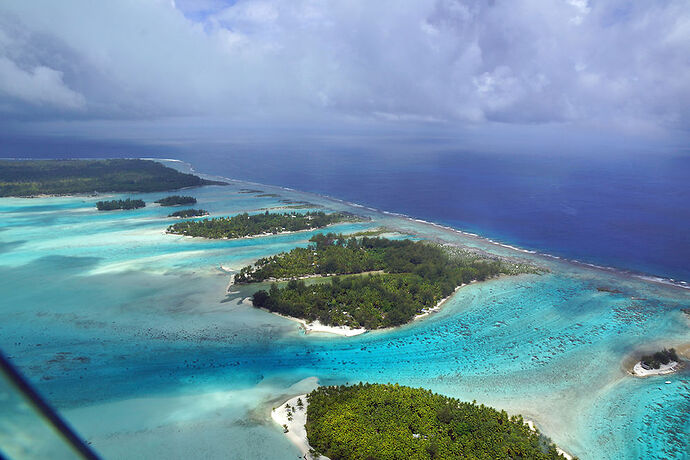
point(373, 421)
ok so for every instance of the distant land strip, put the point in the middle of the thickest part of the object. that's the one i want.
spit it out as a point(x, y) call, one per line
point(29, 178)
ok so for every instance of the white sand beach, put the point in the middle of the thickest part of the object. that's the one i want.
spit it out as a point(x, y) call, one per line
point(639, 371)
point(437, 307)
point(316, 326)
point(296, 432)
point(532, 427)
point(346, 331)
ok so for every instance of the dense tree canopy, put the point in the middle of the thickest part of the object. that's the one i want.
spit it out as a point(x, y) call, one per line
point(120, 204)
point(655, 360)
point(391, 422)
point(243, 225)
point(400, 279)
point(176, 200)
point(63, 177)
point(189, 213)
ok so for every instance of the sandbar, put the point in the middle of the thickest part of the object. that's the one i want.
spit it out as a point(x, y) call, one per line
point(639, 371)
point(296, 431)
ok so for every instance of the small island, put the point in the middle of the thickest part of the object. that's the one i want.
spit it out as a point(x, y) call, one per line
point(378, 421)
point(244, 225)
point(386, 282)
point(176, 200)
point(113, 205)
point(662, 362)
point(185, 213)
point(28, 178)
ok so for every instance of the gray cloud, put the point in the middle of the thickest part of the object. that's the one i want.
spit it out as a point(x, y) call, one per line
point(614, 63)
point(39, 85)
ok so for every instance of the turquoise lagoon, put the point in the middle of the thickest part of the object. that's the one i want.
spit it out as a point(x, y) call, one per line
point(131, 334)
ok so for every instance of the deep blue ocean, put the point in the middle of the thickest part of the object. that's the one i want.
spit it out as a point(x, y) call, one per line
point(628, 211)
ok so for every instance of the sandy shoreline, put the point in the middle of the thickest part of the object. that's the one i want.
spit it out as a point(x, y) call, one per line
point(296, 432)
point(436, 308)
point(344, 331)
point(532, 427)
point(664, 369)
point(258, 235)
point(190, 217)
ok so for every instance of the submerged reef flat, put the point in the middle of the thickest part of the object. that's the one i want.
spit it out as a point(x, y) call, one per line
point(92, 297)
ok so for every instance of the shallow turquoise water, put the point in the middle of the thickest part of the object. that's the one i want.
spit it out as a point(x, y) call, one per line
point(129, 331)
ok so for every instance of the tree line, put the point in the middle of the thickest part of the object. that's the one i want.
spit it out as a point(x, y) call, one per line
point(655, 360)
point(399, 279)
point(65, 177)
point(390, 422)
point(112, 205)
point(176, 200)
point(243, 225)
point(189, 213)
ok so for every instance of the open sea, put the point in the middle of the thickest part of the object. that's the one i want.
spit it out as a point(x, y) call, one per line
point(131, 334)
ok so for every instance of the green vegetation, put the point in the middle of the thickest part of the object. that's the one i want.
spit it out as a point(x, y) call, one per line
point(405, 278)
point(120, 204)
point(63, 177)
point(289, 201)
point(300, 206)
point(189, 213)
point(654, 361)
point(243, 225)
point(373, 421)
point(176, 200)
point(294, 204)
point(373, 232)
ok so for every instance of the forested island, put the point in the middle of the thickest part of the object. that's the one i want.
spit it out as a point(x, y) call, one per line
point(374, 421)
point(185, 213)
point(390, 281)
point(176, 200)
point(655, 360)
point(113, 205)
point(661, 362)
point(25, 178)
point(243, 225)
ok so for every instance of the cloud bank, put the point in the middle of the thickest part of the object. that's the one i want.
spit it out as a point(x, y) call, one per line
point(615, 62)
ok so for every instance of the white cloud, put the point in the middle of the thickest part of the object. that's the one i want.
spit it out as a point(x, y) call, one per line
point(519, 61)
point(40, 86)
point(498, 89)
point(582, 8)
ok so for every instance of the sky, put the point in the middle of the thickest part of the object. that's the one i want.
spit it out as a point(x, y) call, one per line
point(567, 70)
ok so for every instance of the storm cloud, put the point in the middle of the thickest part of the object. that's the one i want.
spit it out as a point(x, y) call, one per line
point(615, 63)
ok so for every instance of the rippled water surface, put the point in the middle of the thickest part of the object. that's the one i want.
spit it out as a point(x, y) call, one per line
point(129, 332)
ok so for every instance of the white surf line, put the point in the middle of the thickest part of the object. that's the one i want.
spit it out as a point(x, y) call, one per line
point(646, 277)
